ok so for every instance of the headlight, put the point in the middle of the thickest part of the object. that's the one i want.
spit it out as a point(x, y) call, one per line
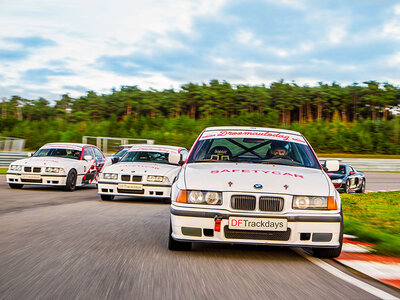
point(153, 178)
point(337, 180)
point(309, 202)
point(54, 170)
point(204, 197)
point(212, 198)
point(110, 176)
point(15, 168)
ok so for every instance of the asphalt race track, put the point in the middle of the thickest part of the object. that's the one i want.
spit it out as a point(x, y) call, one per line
point(72, 245)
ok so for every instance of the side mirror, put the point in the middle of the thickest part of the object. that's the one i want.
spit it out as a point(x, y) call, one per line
point(351, 172)
point(87, 157)
point(29, 154)
point(174, 158)
point(332, 165)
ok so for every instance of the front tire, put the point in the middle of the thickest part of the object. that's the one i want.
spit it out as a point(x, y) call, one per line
point(362, 187)
point(347, 187)
point(15, 185)
point(107, 197)
point(176, 245)
point(71, 180)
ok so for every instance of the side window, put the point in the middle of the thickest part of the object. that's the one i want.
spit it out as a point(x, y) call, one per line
point(184, 154)
point(88, 151)
point(98, 154)
point(348, 170)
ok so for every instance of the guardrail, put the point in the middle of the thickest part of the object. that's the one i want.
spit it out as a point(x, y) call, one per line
point(11, 144)
point(112, 143)
point(370, 164)
point(6, 158)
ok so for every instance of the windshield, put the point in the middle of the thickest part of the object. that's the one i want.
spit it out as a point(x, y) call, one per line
point(120, 153)
point(58, 152)
point(146, 156)
point(254, 150)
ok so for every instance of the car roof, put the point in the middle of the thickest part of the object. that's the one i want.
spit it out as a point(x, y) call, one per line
point(68, 144)
point(176, 148)
point(253, 129)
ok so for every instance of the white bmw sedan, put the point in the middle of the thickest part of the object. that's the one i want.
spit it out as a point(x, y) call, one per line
point(144, 171)
point(58, 164)
point(255, 186)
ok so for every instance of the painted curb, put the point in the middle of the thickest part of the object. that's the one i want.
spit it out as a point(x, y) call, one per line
point(359, 256)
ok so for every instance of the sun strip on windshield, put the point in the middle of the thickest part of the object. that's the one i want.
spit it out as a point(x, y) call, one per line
point(287, 137)
point(61, 146)
point(149, 149)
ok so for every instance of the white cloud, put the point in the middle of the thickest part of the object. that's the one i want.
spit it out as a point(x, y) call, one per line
point(391, 29)
point(87, 30)
point(247, 37)
point(294, 4)
point(337, 34)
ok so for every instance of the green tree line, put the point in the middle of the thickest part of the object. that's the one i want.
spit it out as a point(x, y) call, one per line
point(355, 118)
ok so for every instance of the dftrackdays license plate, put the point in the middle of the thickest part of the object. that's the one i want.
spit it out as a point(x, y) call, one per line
point(27, 176)
point(129, 186)
point(266, 224)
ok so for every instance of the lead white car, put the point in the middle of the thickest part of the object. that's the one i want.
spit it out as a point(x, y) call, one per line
point(58, 164)
point(255, 186)
point(144, 171)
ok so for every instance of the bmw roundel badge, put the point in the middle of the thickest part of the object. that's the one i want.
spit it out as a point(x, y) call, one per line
point(258, 186)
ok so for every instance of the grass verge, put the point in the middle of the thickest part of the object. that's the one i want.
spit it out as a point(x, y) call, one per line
point(3, 170)
point(374, 218)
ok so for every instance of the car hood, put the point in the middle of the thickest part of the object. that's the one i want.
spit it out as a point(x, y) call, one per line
point(45, 161)
point(142, 168)
point(242, 177)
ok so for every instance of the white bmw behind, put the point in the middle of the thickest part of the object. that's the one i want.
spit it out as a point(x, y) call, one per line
point(256, 186)
point(144, 171)
point(58, 164)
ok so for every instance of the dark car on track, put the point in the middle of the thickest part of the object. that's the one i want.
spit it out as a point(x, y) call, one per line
point(347, 179)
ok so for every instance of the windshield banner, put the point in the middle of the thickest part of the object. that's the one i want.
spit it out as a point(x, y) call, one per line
point(61, 146)
point(218, 134)
point(153, 149)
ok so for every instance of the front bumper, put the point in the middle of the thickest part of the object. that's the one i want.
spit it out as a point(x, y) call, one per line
point(302, 230)
point(38, 179)
point(147, 190)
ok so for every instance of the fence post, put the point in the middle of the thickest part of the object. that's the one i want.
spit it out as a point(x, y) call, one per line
point(98, 142)
point(105, 145)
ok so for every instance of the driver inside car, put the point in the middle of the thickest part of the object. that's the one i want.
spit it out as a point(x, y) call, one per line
point(278, 149)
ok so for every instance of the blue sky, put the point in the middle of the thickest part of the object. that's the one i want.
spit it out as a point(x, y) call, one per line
point(48, 48)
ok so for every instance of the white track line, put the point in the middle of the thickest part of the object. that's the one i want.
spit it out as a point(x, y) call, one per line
point(341, 275)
